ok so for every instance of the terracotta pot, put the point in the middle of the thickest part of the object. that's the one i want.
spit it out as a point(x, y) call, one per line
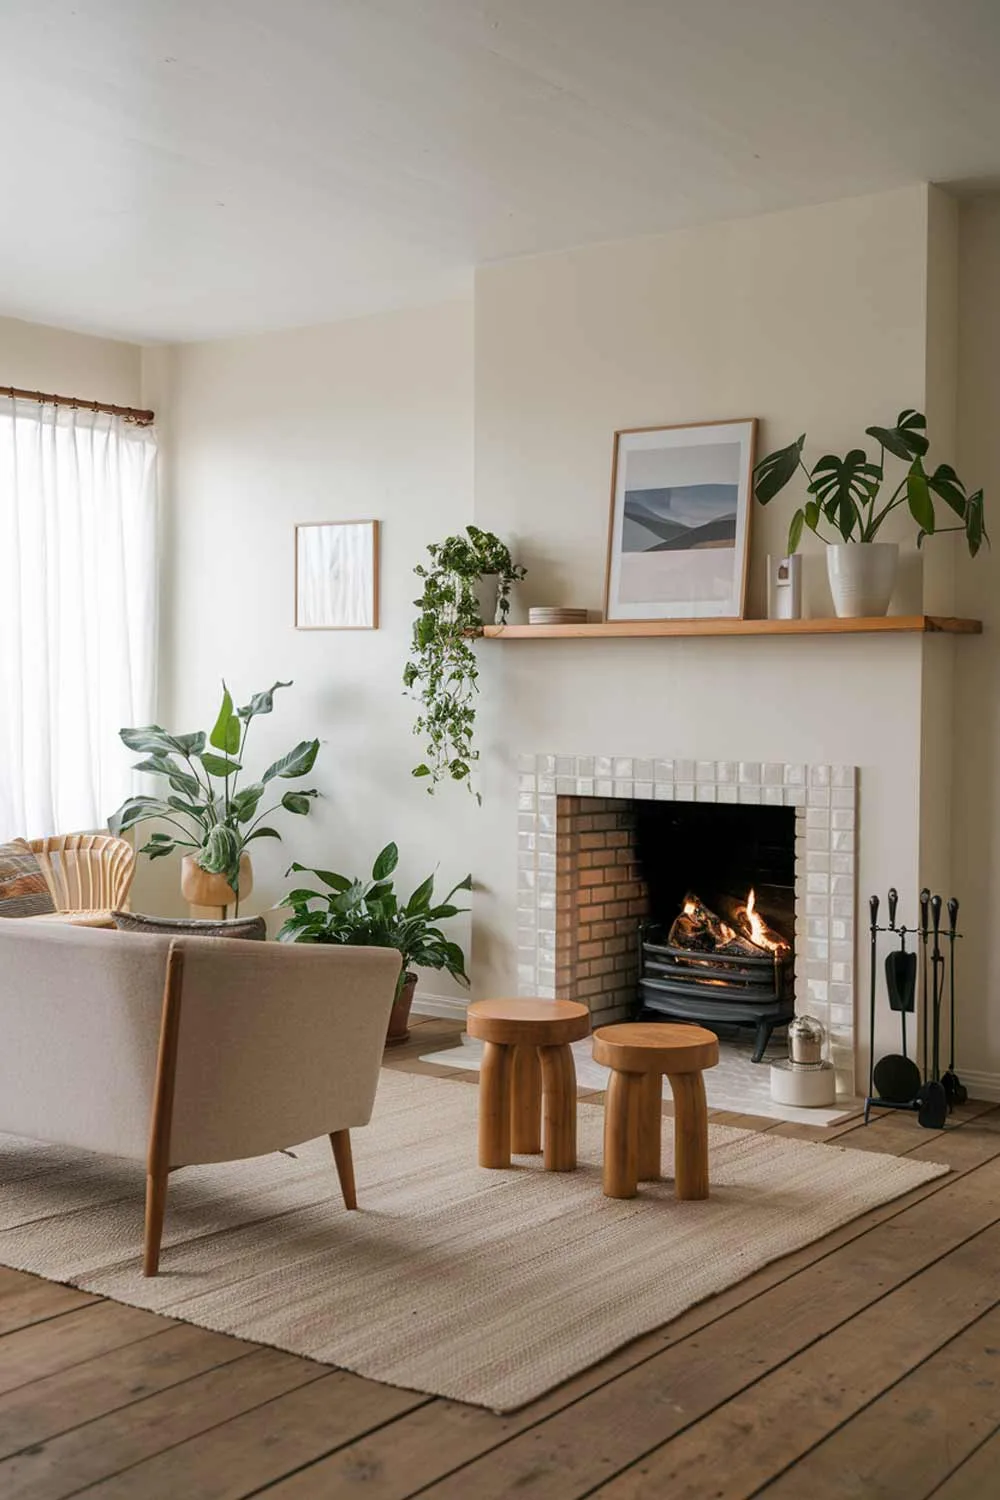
point(399, 1018)
point(212, 893)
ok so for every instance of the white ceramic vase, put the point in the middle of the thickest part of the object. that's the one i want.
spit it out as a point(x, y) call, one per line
point(862, 577)
point(487, 592)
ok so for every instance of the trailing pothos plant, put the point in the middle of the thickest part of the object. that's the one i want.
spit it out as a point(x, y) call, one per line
point(210, 812)
point(369, 913)
point(442, 673)
point(847, 494)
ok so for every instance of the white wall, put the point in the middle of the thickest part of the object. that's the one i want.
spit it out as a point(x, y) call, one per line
point(977, 692)
point(814, 320)
point(359, 420)
point(37, 358)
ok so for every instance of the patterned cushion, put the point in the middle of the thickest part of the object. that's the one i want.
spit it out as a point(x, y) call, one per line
point(253, 928)
point(23, 891)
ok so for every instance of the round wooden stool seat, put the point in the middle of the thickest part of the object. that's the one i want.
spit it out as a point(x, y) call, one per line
point(656, 1047)
point(639, 1055)
point(527, 1065)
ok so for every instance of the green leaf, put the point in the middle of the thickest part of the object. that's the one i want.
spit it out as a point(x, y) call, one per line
point(152, 739)
point(300, 896)
point(946, 484)
point(975, 530)
point(296, 802)
point(328, 877)
point(918, 497)
point(157, 850)
point(244, 803)
point(795, 532)
point(386, 862)
point(421, 771)
point(261, 703)
point(262, 833)
point(773, 472)
point(421, 898)
point(296, 763)
point(226, 733)
point(906, 440)
point(842, 486)
point(136, 810)
point(219, 765)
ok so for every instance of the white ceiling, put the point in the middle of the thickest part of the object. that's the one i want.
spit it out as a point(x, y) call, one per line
point(178, 169)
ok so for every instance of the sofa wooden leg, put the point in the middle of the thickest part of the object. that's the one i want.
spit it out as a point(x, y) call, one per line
point(340, 1140)
point(156, 1204)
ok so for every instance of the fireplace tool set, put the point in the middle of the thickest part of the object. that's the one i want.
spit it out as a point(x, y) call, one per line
point(895, 1081)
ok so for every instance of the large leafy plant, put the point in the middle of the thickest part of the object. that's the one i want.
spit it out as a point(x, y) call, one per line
point(442, 673)
point(210, 812)
point(369, 913)
point(847, 494)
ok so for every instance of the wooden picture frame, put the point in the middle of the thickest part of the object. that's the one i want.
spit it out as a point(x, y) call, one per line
point(337, 575)
point(679, 527)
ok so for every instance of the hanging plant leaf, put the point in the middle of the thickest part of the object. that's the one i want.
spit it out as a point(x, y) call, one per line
point(773, 472)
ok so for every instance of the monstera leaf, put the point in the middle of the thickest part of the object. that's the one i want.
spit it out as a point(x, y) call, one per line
point(907, 440)
point(773, 472)
point(842, 486)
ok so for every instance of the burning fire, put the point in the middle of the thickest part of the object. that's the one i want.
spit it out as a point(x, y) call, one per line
point(758, 930)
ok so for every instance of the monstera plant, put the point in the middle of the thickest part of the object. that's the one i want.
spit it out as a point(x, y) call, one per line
point(210, 811)
point(850, 499)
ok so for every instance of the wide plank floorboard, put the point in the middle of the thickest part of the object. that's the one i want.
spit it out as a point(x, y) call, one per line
point(865, 1365)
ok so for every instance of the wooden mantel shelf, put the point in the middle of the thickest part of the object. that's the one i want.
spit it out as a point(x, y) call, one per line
point(605, 629)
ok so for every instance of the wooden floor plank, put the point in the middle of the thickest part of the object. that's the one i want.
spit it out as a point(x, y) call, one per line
point(978, 1477)
point(44, 1348)
point(592, 1429)
point(912, 1438)
point(737, 1449)
point(32, 1413)
point(241, 1456)
point(131, 1434)
point(33, 1301)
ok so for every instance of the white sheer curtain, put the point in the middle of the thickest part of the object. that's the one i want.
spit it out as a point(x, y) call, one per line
point(77, 612)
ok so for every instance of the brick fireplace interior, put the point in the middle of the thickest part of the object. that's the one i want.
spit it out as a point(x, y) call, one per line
point(625, 863)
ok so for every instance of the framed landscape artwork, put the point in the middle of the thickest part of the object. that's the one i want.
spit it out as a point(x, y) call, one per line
point(336, 575)
point(680, 522)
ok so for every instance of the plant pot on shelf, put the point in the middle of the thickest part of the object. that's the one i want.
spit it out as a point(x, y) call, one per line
point(210, 895)
point(862, 577)
point(487, 591)
point(399, 1017)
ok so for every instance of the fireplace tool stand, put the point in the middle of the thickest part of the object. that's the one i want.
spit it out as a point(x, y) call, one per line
point(895, 1081)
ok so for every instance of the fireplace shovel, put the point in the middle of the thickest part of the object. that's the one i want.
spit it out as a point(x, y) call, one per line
point(954, 1088)
point(897, 1076)
point(932, 1098)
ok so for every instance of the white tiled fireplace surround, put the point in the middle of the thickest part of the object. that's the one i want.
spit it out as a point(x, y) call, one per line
point(825, 801)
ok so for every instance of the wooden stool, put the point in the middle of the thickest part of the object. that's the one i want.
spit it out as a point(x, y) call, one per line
point(526, 1058)
point(638, 1056)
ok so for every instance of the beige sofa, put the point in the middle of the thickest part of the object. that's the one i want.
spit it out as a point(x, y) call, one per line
point(183, 1051)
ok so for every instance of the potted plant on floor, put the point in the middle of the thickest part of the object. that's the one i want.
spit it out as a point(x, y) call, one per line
point(466, 584)
point(210, 813)
point(846, 497)
point(369, 913)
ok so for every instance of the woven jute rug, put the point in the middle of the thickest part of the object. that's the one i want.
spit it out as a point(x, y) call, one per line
point(489, 1287)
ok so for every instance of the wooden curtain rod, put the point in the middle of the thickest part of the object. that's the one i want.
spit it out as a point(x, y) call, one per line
point(130, 413)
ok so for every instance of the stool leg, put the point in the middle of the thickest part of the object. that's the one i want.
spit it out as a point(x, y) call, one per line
point(621, 1134)
point(494, 1106)
point(690, 1136)
point(559, 1102)
point(526, 1101)
point(650, 1127)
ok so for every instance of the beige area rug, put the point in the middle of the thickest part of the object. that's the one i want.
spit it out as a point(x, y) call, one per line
point(489, 1287)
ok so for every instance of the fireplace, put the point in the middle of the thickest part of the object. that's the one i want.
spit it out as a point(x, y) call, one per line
point(585, 883)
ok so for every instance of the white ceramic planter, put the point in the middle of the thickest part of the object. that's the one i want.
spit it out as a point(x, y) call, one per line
point(487, 592)
point(862, 577)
